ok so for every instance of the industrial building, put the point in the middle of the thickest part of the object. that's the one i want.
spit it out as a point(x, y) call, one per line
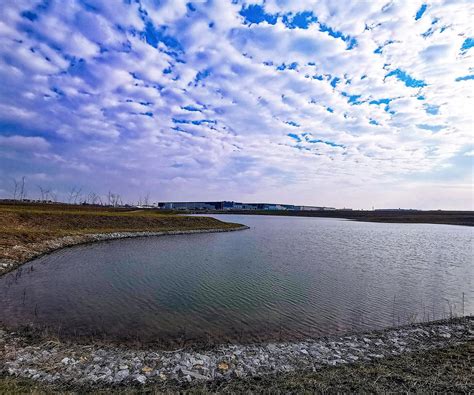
point(231, 205)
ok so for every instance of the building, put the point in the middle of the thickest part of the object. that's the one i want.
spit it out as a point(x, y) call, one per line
point(231, 205)
point(308, 208)
point(194, 205)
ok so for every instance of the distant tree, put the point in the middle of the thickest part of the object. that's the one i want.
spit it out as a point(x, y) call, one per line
point(145, 200)
point(94, 198)
point(74, 195)
point(15, 188)
point(114, 199)
point(53, 196)
point(45, 193)
point(19, 189)
point(22, 188)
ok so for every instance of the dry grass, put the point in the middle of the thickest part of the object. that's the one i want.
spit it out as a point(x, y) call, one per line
point(25, 227)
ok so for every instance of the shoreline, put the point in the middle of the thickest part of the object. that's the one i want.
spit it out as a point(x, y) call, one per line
point(99, 366)
point(55, 363)
point(49, 246)
point(453, 218)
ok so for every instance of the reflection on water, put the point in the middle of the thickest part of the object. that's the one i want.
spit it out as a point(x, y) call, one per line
point(285, 277)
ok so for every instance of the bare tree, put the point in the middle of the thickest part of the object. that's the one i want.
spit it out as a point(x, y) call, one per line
point(42, 192)
point(145, 200)
point(19, 191)
point(94, 198)
point(15, 188)
point(78, 195)
point(22, 188)
point(70, 195)
point(45, 193)
point(74, 195)
point(114, 199)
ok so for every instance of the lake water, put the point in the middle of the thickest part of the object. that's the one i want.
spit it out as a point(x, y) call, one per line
point(284, 278)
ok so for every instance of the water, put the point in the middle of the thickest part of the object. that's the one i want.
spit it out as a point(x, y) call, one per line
point(284, 278)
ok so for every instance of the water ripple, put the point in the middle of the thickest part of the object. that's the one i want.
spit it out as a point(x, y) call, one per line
point(293, 276)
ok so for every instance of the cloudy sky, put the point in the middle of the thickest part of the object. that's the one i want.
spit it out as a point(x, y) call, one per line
point(337, 103)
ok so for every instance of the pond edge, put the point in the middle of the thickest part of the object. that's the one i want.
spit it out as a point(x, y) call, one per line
point(49, 246)
point(98, 366)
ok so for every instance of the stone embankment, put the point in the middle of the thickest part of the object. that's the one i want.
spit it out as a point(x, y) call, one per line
point(100, 365)
point(35, 250)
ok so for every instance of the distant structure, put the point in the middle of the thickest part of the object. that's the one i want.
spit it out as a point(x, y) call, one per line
point(192, 206)
point(231, 205)
point(396, 209)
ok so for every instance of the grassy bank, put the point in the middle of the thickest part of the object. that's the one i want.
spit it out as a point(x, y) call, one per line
point(443, 370)
point(465, 218)
point(28, 230)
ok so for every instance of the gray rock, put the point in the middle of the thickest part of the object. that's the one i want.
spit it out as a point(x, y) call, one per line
point(121, 375)
point(271, 347)
point(194, 375)
point(120, 364)
point(140, 378)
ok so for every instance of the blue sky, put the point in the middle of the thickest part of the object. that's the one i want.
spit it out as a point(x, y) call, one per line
point(348, 104)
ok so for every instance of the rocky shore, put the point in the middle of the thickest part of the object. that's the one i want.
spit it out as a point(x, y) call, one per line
point(98, 366)
point(35, 250)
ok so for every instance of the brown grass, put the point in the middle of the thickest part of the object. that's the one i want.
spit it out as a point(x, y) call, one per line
point(23, 227)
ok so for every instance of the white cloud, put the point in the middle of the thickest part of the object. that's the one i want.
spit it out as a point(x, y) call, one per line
point(15, 142)
point(108, 98)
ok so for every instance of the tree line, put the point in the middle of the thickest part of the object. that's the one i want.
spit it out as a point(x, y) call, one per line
point(74, 195)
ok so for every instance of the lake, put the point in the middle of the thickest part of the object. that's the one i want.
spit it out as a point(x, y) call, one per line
point(284, 278)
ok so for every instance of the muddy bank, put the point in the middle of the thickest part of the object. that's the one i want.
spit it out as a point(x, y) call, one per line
point(97, 366)
point(35, 250)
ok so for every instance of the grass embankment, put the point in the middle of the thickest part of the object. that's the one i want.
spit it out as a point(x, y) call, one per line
point(27, 230)
point(444, 370)
point(465, 218)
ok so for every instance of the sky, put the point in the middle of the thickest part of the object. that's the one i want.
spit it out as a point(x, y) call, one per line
point(347, 104)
